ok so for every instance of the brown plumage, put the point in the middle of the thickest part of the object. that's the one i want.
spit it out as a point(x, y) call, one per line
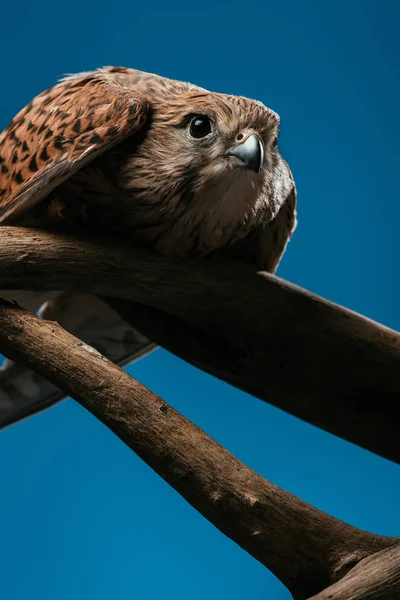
point(159, 162)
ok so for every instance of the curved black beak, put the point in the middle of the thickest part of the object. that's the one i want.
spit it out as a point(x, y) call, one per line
point(250, 152)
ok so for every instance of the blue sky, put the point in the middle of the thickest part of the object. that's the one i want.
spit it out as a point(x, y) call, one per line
point(80, 515)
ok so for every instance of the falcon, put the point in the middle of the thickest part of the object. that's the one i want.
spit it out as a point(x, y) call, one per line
point(154, 161)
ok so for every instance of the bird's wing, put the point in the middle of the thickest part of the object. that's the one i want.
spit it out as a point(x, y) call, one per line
point(59, 132)
point(23, 392)
point(265, 245)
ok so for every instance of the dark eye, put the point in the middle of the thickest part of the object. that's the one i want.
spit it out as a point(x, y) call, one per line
point(200, 126)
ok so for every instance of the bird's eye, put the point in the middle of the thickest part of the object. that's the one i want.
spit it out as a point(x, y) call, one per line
point(200, 126)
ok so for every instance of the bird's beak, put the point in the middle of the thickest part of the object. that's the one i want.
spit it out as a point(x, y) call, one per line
point(250, 152)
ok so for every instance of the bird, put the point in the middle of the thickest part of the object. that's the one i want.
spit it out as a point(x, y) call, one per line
point(155, 161)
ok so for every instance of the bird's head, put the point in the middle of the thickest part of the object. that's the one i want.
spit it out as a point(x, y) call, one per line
point(210, 162)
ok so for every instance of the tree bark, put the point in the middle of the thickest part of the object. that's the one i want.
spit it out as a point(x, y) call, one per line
point(307, 549)
point(314, 359)
point(376, 577)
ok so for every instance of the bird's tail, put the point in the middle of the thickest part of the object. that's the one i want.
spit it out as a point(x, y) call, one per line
point(23, 392)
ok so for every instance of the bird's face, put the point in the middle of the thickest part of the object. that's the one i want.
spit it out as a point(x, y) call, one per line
point(210, 163)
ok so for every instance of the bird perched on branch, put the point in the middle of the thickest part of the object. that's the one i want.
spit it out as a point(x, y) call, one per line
point(155, 161)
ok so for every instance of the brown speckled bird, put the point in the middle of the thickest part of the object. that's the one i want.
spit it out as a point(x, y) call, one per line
point(161, 162)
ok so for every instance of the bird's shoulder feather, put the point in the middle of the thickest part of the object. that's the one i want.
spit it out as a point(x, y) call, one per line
point(60, 131)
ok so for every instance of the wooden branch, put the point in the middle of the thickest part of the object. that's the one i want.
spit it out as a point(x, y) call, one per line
point(307, 549)
point(376, 577)
point(306, 355)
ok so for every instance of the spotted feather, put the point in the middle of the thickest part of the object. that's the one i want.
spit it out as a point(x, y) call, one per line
point(58, 133)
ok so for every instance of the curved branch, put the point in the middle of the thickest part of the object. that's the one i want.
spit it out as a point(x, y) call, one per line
point(307, 549)
point(310, 357)
point(376, 577)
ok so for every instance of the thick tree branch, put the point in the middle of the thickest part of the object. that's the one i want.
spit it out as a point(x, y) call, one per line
point(307, 549)
point(314, 359)
point(376, 577)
